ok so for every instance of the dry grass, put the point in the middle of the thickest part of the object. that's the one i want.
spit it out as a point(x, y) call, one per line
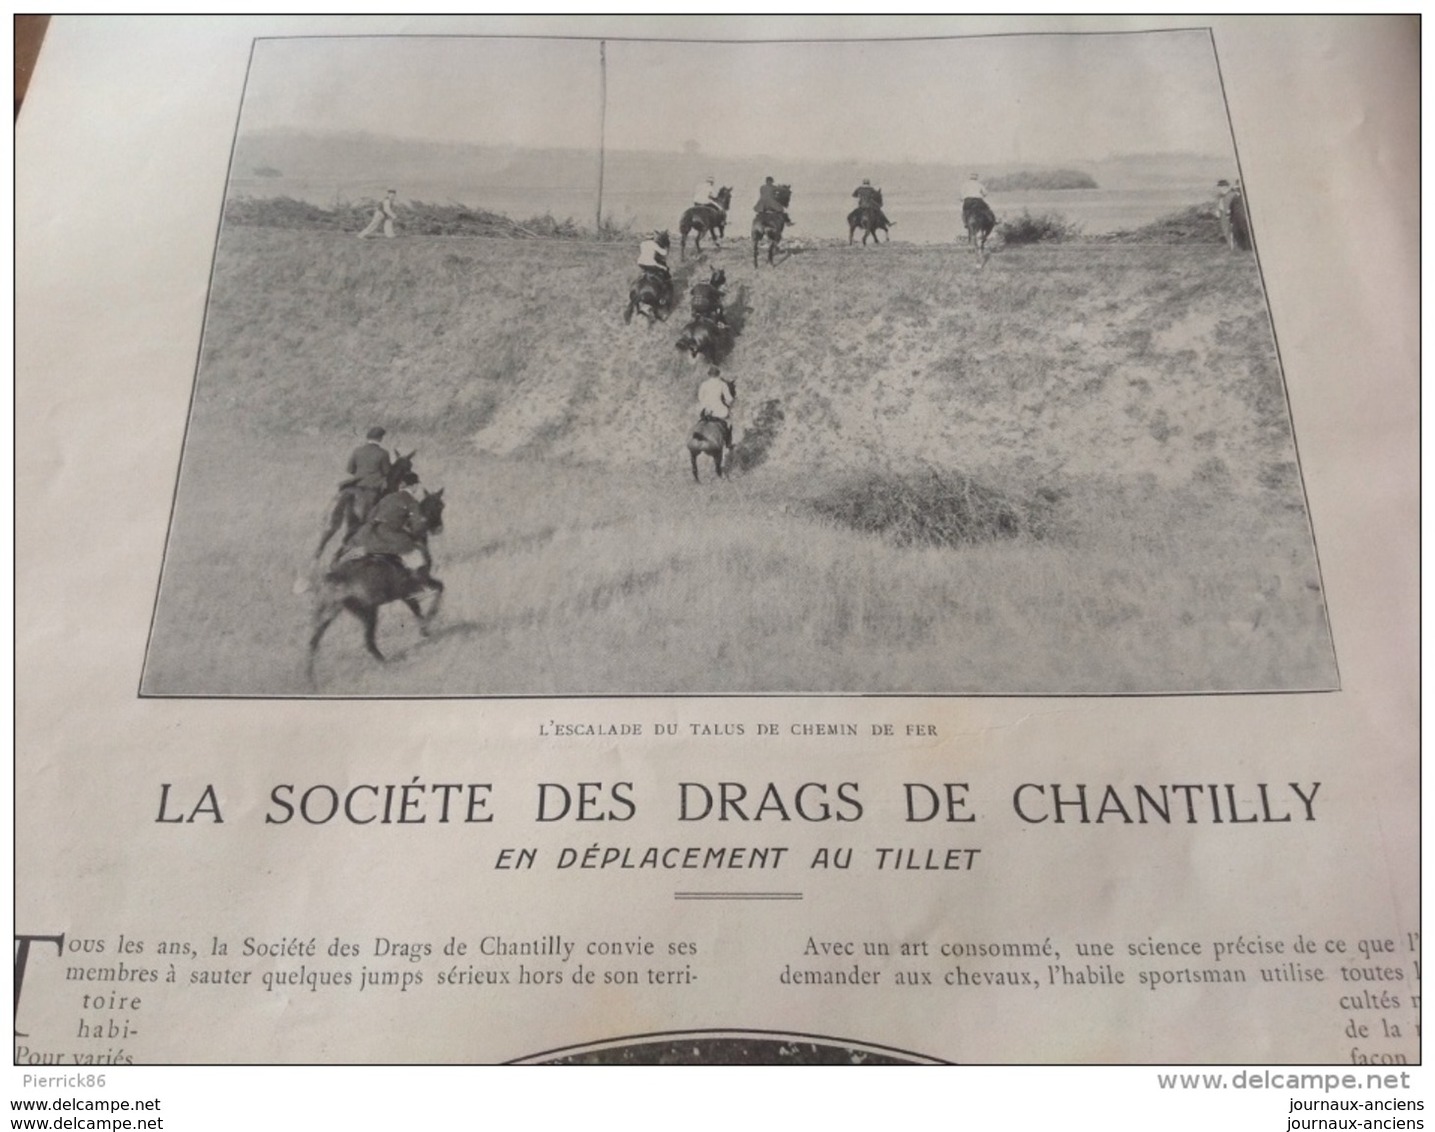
point(1113, 414)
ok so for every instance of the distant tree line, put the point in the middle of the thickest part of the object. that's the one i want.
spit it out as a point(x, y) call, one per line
point(416, 218)
point(1045, 179)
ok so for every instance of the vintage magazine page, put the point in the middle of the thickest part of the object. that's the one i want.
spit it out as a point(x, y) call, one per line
point(686, 541)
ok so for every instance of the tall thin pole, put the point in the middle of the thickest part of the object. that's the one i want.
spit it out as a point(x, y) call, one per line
point(602, 125)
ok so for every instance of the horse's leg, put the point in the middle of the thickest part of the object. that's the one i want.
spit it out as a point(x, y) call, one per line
point(632, 303)
point(352, 527)
point(851, 232)
point(323, 618)
point(336, 519)
point(693, 452)
point(417, 610)
point(717, 460)
point(437, 587)
point(369, 615)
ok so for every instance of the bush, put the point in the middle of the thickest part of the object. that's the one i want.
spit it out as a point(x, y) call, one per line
point(1195, 225)
point(1048, 228)
point(286, 212)
point(934, 508)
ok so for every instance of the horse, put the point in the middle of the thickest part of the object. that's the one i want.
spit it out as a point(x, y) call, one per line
point(707, 297)
point(979, 220)
point(710, 218)
point(770, 224)
point(344, 512)
point(870, 219)
point(707, 333)
point(649, 298)
point(707, 439)
point(362, 585)
point(704, 336)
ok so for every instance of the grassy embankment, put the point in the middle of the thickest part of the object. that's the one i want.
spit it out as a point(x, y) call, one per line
point(1118, 410)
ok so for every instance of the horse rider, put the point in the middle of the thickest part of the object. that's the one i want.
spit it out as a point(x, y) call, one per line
point(707, 298)
point(369, 467)
point(1226, 195)
point(703, 195)
point(653, 261)
point(767, 202)
point(715, 400)
point(393, 527)
point(973, 189)
point(868, 197)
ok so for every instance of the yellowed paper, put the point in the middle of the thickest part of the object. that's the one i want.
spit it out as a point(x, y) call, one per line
point(700, 772)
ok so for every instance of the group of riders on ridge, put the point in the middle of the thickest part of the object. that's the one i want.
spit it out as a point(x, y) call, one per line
point(716, 394)
point(653, 252)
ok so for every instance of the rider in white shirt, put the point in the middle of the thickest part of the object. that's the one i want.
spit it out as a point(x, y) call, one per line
point(973, 188)
point(653, 256)
point(715, 400)
point(703, 194)
point(653, 260)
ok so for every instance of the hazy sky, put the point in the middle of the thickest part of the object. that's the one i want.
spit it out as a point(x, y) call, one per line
point(1030, 98)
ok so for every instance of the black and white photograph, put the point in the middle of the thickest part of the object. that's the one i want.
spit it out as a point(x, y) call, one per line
point(578, 366)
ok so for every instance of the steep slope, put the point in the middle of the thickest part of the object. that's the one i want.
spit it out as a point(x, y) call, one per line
point(1115, 506)
point(1051, 362)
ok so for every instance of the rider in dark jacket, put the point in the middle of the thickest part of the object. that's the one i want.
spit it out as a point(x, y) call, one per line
point(868, 197)
point(368, 470)
point(707, 298)
point(767, 201)
point(394, 525)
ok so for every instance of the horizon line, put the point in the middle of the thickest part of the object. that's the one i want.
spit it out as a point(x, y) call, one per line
point(713, 155)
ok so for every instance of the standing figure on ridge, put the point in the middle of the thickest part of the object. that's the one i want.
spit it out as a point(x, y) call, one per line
point(384, 215)
point(1231, 212)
